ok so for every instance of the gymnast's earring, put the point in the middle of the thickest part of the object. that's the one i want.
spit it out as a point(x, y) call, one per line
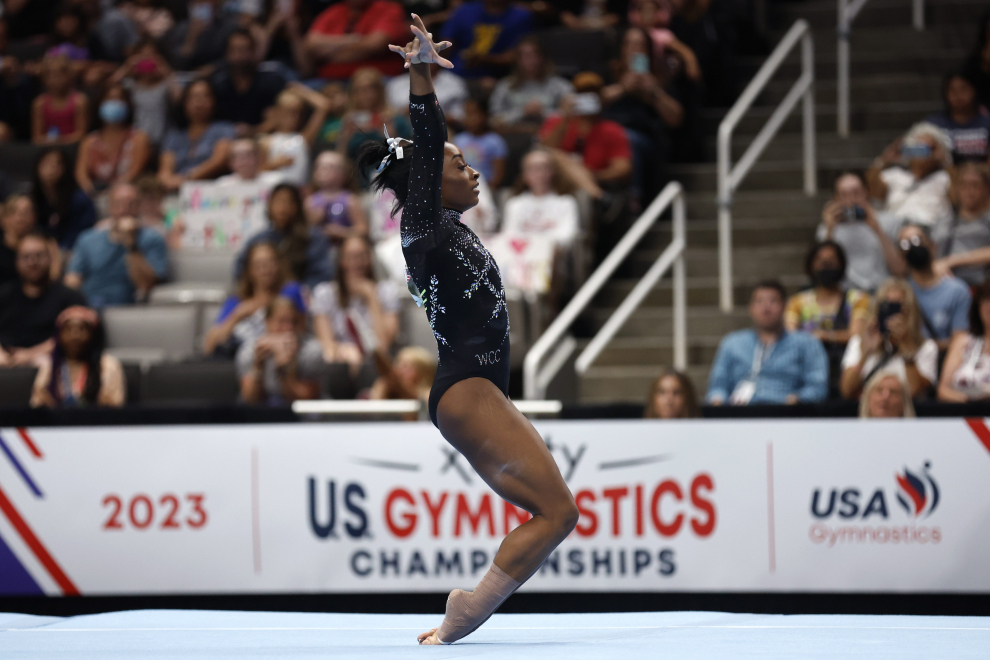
point(394, 149)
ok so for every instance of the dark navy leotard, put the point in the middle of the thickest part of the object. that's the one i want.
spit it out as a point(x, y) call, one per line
point(449, 271)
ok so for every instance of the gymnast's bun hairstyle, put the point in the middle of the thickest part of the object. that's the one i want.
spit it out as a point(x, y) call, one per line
point(395, 176)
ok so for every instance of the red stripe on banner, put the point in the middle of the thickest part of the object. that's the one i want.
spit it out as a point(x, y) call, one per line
point(63, 581)
point(980, 429)
point(30, 443)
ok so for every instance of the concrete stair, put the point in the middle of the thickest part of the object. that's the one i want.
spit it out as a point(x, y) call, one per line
point(896, 81)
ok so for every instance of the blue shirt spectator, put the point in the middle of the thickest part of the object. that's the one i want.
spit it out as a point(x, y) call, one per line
point(766, 364)
point(318, 267)
point(483, 153)
point(111, 265)
point(944, 300)
point(189, 153)
point(484, 33)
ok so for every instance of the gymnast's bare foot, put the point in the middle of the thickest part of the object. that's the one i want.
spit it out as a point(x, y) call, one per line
point(429, 638)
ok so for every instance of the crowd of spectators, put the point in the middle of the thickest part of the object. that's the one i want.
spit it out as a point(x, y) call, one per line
point(129, 103)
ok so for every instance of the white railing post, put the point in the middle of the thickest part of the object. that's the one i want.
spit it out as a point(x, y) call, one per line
point(680, 285)
point(842, 74)
point(729, 176)
point(810, 158)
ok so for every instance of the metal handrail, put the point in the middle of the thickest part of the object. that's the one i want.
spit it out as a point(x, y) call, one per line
point(535, 380)
point(848, 10)
point(729, 178)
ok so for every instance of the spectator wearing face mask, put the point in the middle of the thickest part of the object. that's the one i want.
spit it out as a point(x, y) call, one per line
point(243, 91)
point(943, 300)
point(115, 152)
point(966, 372)
point(767, 364)
point(828, 310)
point(850, 221)
point(964, 242)
point(913, 176)
point(885, 396)
point(891, 339)
point(671, 396)
point(962, 120)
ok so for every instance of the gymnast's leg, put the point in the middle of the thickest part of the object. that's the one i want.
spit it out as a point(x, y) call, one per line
point(504, 448)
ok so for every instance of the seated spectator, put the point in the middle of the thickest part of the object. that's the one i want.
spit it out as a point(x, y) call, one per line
point(287, 147)
point(77, 372)
point(885, 396)
point(767, 364)
point(150, 20)
point(354, 316)
point(17, 221)
point(64, 211)
point(338, 102)
point(147, 76)
point(284, 364)
point(281, 37)
point(122, 202)
point(589, 14)
point(485, 34)
point(966, 372)
point(526, 97)
point(245, 166)
point(450, 88)
point(891, 340)
point(943, 300)
point(197, 149)
point(116, 152)
point(304, 248)
point(639, 103)
point(850, 221)
point(671, 397)
point(968, 129)
point(117, 265)
point(201, 38)
point(59, 115)
point(410, 376)
point(355, 34)
point(827, 310)
point(70, 35)
point(912, 177)
point(333, 208)
point(369, 111)
point(243, 91)
point(580, 129)
point(543, 204)
point(30, 305)
point(483, 149)
point(16, 92)
point(150, 211)
point(964, 242)
point(242, 316)
point(977, 66)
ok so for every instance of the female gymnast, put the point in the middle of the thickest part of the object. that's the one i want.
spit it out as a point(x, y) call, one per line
point(454, 277)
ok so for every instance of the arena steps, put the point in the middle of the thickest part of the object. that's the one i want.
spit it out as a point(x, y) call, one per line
point(896, 81)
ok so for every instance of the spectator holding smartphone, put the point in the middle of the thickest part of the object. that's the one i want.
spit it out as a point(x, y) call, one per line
point(943, 300)
point(850, 221)
point(890, 340)
point(913, 176)
point(964, 242)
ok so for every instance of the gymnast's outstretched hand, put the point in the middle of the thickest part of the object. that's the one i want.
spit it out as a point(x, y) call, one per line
point(422, 49)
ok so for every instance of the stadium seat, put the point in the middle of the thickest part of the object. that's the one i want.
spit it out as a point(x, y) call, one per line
point(175, 293)
point(133, 378)
point(15, 386)
point(17, 158)
point(171, 329)
point(210, 382)
point(573, 51)
point(216, 266)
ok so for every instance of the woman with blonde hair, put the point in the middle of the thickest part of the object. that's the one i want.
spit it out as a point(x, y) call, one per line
point(885, 396)
point(671, 396)
point(891, 341)
point(408, 377)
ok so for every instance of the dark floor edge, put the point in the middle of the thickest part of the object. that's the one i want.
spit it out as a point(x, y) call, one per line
point(525, 603)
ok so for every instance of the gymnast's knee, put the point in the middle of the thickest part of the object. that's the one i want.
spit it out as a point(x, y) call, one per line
point(565, 516)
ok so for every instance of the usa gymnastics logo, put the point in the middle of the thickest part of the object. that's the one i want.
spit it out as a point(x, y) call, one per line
point(918, 492)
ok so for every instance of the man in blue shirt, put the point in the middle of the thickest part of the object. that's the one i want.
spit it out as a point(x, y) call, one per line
point(485, 34)
point(767, 364)
point(944, 300)
point(110, 266)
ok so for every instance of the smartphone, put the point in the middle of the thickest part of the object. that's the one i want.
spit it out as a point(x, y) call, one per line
point(202, 12)
point(885, 310)
point(640, 63)
point(854, 213)
point(916, 150)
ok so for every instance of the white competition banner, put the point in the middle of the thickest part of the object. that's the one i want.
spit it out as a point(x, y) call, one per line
point(220, 216)
point(805, 505)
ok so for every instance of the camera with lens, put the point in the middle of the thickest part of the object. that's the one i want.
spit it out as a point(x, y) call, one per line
point(885, 310)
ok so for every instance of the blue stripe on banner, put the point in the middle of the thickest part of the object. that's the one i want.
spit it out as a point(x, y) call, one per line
point(14, 578)
point(19, 468)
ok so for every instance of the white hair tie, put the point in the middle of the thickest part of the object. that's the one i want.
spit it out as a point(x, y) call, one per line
point(394, 148)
